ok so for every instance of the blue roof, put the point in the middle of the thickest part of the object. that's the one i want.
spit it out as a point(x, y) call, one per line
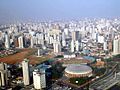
point(89, 58)
point(86, 51)
point(43, 66)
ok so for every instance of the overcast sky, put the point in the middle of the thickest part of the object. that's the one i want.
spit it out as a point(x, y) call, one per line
point(11, 10)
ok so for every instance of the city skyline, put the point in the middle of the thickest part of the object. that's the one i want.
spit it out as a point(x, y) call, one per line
point(43, 10)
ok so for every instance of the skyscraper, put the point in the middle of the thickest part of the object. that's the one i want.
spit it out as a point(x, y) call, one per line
point(3, 74)
point(116, 46)
point(105, 45)
point(75, 35)
point(72, 46)
point(7, 41)
point(57, 46)
point(38, 52)
point(32, 42)
point(26, 74)
point(77, 45)
point(21, 42)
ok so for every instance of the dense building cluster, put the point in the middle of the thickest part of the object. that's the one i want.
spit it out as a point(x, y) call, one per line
point(71, 36)
point(72, 40)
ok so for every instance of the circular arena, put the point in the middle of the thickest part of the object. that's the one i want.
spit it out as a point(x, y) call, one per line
point(78, 70)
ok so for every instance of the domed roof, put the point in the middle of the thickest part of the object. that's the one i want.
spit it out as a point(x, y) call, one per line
point(78, 69)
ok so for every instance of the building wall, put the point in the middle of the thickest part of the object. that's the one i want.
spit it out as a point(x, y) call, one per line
point(26, 76)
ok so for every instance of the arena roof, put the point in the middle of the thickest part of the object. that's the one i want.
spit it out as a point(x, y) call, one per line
point(78, 69)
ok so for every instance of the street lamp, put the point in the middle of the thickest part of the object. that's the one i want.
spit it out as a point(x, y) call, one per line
point(76, 82)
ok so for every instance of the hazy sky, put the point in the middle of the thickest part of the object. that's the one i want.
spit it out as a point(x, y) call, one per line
point(11, 10)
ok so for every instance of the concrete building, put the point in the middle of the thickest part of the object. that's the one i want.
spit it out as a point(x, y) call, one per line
point(110, 45)
point(40, 38)
point(116, 46)
point(38, 52)
point(51, 40)
point(39, 80)
point(26, 73)
point(105, 46)
point(75, 35)
point(57, 46)
point(31, 42)
point(21, 42)
point(7, 41)
point(16, 44)
point(63, 43)
point(3, 74)
point(72, 46)
point(101, 39)
point(77, 45)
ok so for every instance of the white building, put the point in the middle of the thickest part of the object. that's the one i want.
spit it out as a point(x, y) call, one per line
point(40, 38)
point(3, 74)
point(72, 46)
point(26, 74)
point(21, 42)
point(105, 45)
point(51, 40)
point(75, 35)
point(39, 80)
point(100, 39)
point(32, 42)
point(69, 55)
point(7, 41)
point(116, 46)
point(66, 30)
point(63, 43)
point(77, 45)
point(57, 46)
point(38, 52)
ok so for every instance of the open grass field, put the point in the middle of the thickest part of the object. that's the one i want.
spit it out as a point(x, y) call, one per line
point(24, 53)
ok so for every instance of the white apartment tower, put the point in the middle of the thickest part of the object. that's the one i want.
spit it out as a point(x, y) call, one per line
point(21, 42)
point(116, 46)
point(3, 74)
point(75, 35)
point(72, 46)
point(63, 39)
point(57, 47)
point(39, 80)
point(63, 43)
point(7, 41)
point(32, 42)
point(38, 52)
point(26, 74)
point(77, 45)
point(105, 46)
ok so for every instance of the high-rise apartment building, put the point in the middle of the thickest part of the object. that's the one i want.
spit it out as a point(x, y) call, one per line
point(3, 74)
point(21, 42)
point(26, 72)
point(7, 41)
point(39, 80)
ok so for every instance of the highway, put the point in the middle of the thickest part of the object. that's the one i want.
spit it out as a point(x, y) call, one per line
point(106, 82)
